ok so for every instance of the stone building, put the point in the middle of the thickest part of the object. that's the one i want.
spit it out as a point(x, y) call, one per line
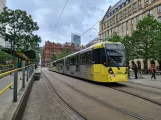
point(124, 15)
point(122, 19)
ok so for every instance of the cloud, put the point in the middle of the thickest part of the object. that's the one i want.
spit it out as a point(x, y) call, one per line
point(77, 17)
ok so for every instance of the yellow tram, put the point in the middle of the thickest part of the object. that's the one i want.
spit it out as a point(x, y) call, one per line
point(102, 62)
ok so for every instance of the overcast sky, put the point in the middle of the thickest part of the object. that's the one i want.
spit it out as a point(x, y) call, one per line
point(78, 16)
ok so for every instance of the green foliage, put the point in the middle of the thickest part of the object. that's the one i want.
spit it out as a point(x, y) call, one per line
point(5, 57)
point(17, 28)
point(53, 58)
point(147, 37)
point(63, 53)
point(115, 38)
point(145, 41)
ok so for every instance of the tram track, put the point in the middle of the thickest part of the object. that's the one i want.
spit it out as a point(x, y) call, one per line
point(62, 100)
point(147, 95)
point(146, 89)
point(105, 103)
point(144, 85)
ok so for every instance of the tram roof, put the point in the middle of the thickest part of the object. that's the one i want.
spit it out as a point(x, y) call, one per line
point(95, 46)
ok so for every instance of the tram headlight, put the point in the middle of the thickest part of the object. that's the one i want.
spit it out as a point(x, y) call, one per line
point(110, 71)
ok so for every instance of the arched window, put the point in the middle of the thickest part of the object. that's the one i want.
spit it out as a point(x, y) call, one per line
point(152, 62)
point(159, 19)
point(139, 65)
point(145, 65)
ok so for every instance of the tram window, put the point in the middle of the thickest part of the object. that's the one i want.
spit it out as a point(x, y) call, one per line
point(77, 59)
point(54, 64)
point(96, 56)
point(73, 60)
point(82, 59)
point(68, 61)
point(88, 57)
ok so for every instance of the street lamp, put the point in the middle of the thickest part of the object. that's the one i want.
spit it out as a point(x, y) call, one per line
point(93, 29)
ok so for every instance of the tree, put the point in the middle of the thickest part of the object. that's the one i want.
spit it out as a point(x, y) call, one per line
point(17, 28)
point(147, 37)
point(115, 38)
point(4, 57)
point(63, 53)
point(53, 58)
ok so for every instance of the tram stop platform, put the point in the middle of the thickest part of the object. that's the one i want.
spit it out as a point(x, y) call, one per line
point(9, 110)
point(146, 80)
point(38, 102)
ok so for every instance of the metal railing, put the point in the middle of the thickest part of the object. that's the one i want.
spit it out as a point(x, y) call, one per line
point(5, 68)
point(29, 70)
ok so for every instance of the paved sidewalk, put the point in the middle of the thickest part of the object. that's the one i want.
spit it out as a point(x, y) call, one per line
point(43, 104)
point(146, 80)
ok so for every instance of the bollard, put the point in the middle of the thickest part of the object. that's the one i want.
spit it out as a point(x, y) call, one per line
point(23, 74)
point(32, 68)
point(27, 74)
point(29, 71)
point(15, 84)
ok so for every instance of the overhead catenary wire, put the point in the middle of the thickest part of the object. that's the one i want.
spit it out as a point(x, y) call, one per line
point(60, 15)
point(89, 28)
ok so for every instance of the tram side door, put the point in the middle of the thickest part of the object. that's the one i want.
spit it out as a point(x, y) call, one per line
point(96, 66)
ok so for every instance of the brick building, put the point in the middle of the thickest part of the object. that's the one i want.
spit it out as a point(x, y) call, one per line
point(51, 48)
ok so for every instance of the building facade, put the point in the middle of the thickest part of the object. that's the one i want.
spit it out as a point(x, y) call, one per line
point(94, 41)
point(2, 5)
point(51, 48)
point(122, 19)
point(76, 39)
point(124, 15)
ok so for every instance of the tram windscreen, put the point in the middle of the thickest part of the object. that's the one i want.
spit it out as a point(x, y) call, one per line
point(115, 55)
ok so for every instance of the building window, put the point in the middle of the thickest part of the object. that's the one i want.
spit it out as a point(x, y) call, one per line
point(159, 19)
point(137, 18)
point(131, 22)
point(127, 32)
point(153, 1)
point(146, 2)
point(151, 13)
point(122, 30)
point(131, 26)
point(134, 6)
point(139, 3)
point(125, 12)
point(159, 9)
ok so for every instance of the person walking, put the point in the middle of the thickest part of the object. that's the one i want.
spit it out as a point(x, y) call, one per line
point(153, 71)
point(135, 68)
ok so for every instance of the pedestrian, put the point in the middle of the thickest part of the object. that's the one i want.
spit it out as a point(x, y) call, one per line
point(135, 68)
point(35, 66)
point(153, 71)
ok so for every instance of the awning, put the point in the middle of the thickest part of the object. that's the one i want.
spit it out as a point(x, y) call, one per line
point(27, 55)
